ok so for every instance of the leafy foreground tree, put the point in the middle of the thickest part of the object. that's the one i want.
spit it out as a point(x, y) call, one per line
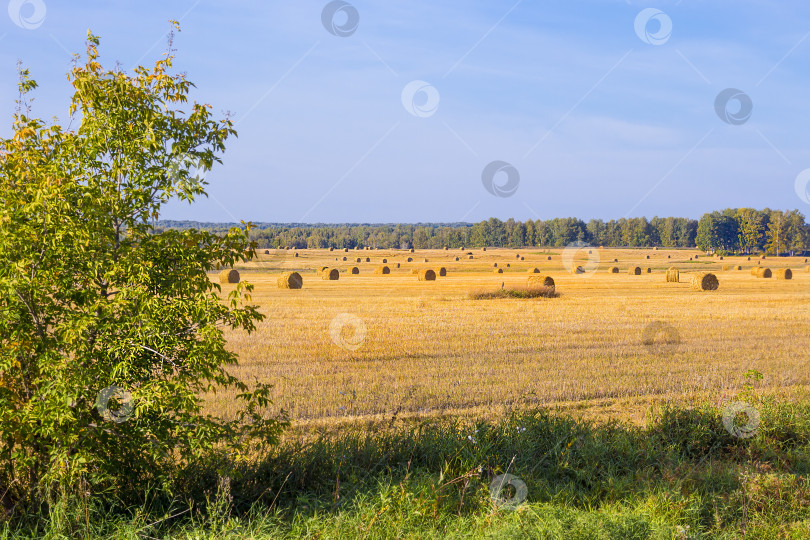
point(110, 333)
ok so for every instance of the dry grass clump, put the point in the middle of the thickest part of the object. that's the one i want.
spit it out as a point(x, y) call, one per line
point(673, 275)
point(229, 276)
point(414, 271)
point(290, 280)
point(763, 273)
point(330, 274)
point(613, 270)
point(705, 281)
point(783, 273)
point(426, 274)
point(634, 270)
point(354, 270)
point(534, 270)
point(442, 271)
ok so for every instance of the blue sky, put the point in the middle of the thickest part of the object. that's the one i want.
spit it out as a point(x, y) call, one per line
point(596, 121)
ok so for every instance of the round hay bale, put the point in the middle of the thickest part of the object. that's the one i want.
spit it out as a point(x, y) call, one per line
point(615, 260)
point(425, 260)
point(754, 270)
point(749, 258)
point(783, 273)
point(721, 258)
point(508, 265)
point(442, 272)
point(345, 259)
point(543, 283)
point(499, 270)
point(494, 265)
point(330, 274)
point(647, 257)
point(290, 280)
point(521, 258)
point(446, 248)
point(358, 259)
point(577, 270)
point(384, 261)
point(410, 259)
point(323, 269)
point(517, 255)
point(469, 257)
point(345, 250)
point(613, 270)
point(461, 248)
point(738, 267)
point(368, 259)
point(655, 248)
point(762, 257)
point(705, 281)
point(670, 256)
point(267, 252)
point(483, 249)
point(764, 273)
point(634, 270)
point(673, 275)
point(397, 265)
point(382, 271)
point(456, 259)
point(295, 254)
point(649, 270)
point(534, 270)
point(690, 258)
point(426, 274)
point(411, 250)
point(229, 276)
point(354, 270)
point(725, 268)
point(696, 256)
point(549, 258)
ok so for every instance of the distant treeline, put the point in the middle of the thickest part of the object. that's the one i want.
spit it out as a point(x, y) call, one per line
point(732, 230)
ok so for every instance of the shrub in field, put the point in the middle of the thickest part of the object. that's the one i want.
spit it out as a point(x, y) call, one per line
point(110, 331)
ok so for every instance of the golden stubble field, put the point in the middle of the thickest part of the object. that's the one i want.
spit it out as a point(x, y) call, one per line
point(369, 346)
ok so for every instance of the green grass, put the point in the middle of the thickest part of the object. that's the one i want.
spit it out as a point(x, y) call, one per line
point(514, 292)
point(682, 476)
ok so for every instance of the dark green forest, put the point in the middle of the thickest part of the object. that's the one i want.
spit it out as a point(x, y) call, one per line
point(740, 230)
